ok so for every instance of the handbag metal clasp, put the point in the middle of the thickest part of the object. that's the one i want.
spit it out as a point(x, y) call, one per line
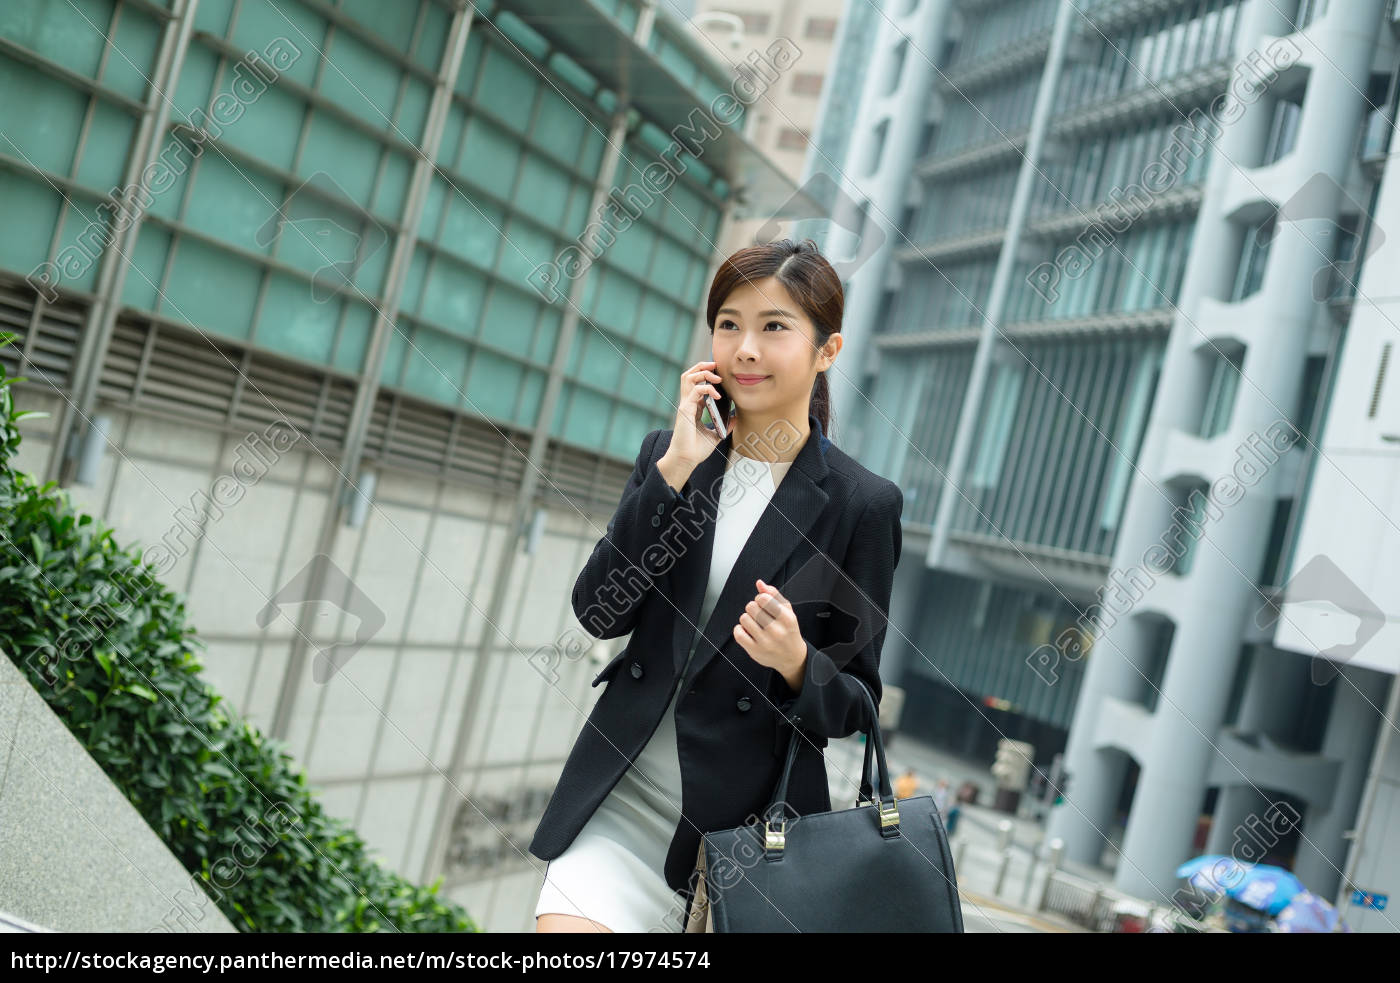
point(775, 837)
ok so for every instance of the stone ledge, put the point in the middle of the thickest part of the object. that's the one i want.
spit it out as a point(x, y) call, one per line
point(76, 856)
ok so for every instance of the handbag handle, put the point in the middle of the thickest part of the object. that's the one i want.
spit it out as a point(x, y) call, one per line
point(868, 776)
point(776, 824)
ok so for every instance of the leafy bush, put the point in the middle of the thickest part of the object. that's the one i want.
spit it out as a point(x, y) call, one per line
point(108, 646)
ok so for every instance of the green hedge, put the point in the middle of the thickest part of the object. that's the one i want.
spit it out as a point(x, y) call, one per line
point(108, 646)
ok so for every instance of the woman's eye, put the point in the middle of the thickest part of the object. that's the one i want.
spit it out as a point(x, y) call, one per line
point(726, 324)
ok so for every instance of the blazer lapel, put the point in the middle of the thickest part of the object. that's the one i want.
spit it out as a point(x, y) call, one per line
point(787, 519)
point(690, 575)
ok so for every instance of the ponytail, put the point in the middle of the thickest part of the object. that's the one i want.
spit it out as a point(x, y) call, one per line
point(821, 403)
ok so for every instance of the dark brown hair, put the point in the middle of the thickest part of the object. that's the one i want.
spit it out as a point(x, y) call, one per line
point(805, 273)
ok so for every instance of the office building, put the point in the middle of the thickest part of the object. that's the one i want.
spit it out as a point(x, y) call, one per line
point(1125, 270)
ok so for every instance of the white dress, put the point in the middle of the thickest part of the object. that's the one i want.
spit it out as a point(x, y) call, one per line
point(613, 872)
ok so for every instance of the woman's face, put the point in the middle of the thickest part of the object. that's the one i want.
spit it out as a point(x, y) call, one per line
point(761, 331)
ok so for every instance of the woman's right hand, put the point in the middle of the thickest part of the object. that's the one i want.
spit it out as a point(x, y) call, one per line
point(691, 441)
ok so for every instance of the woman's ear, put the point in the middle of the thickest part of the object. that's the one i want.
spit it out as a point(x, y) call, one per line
point(832, 348)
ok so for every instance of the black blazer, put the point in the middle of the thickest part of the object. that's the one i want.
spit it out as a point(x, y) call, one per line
point(829, 539)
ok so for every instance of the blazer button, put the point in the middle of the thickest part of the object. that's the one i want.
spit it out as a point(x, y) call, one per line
point(743, 703)
point(656, 520)
point(636, 670)
point(660, 508)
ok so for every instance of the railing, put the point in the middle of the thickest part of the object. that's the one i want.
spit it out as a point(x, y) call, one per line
point(1102, 909)
point(1030, 878)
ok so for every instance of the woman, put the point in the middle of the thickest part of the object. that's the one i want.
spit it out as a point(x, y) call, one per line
point(753, 572)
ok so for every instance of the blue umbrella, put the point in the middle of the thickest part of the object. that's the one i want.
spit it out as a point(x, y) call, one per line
point(1266, 887)
point(1262, 886)
point(1309, 913)
point(1213, 871)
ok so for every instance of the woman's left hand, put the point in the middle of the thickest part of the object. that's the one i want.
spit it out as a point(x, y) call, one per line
point(768, 631)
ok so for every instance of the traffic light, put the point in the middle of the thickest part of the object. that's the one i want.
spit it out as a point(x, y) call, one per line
point(1064, 789)
point(1057, 781)
point(1012, 766)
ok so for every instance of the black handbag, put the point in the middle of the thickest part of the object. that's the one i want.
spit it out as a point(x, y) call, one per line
point(886, 868)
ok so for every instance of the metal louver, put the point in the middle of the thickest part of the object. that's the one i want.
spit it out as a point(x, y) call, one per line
point(438, 440)
point(44, 347)
point(175, 372)
point(591, 483)
point(406, 432)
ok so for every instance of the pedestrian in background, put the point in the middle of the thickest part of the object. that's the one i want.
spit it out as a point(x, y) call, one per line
point(942, 793)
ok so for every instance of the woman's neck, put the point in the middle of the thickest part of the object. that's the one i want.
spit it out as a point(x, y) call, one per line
point(750, 440)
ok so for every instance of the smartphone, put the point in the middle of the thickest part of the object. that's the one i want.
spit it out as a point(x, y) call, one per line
point(715, 418)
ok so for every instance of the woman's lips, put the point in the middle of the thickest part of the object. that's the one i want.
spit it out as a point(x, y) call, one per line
point(749, 380)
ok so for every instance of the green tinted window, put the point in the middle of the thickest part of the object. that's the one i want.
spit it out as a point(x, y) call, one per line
point(434, 366)
point(40, 117)
point(509, 321)
point(147, 268)
point(353, 342)
point(507, 88)
point(70, 34)
point(132, 62)
point(211, 288)
point(494, 385)
point(31, 209)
